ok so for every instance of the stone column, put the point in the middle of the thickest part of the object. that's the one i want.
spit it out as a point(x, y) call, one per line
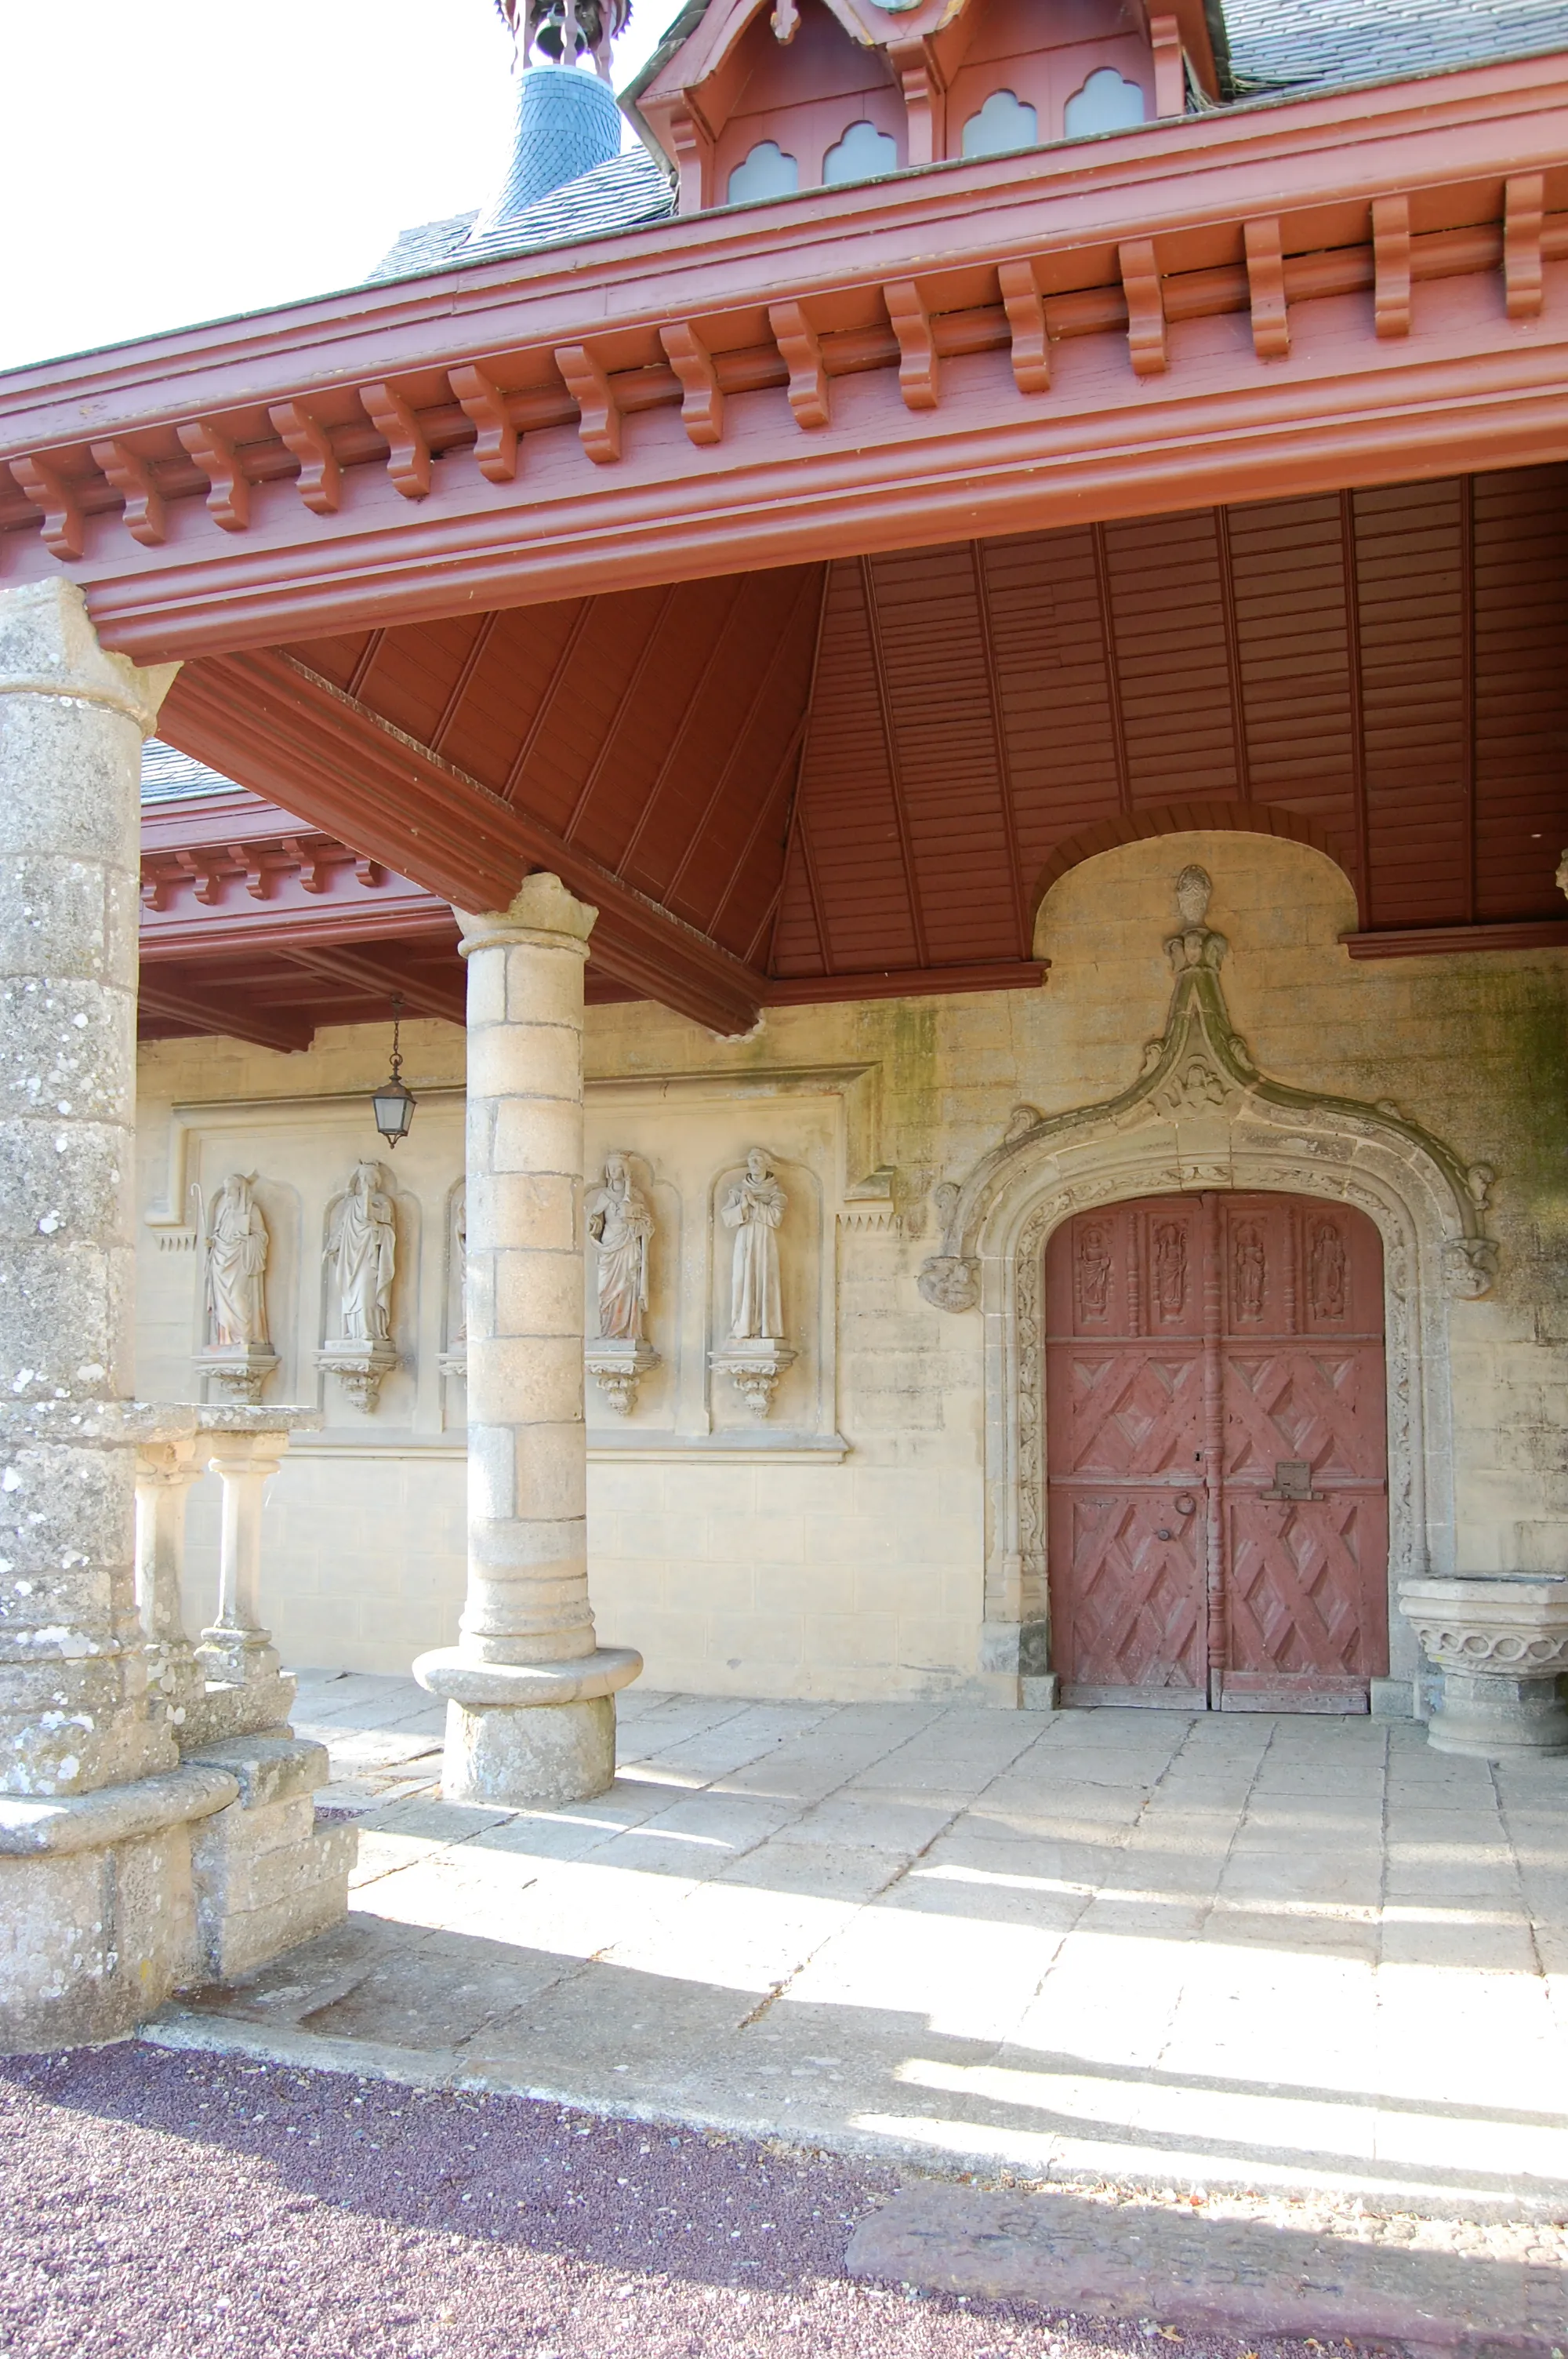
point(530, 1709)
point(95, 1917)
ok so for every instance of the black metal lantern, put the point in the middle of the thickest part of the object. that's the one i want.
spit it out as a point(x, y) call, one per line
point(393, 1104)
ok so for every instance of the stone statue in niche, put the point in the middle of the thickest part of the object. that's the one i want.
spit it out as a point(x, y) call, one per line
point(360, 1253)
point(754, 1208)
point(621, 1223)
point(756, 1353)
point(238, 1353)
point(455, 1358)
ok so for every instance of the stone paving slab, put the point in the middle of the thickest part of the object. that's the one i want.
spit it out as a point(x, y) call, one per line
point(1141, 1947)
point(1230, 2269)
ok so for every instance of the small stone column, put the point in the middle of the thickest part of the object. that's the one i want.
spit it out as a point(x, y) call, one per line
point(530, 1710)
point(165, 1473)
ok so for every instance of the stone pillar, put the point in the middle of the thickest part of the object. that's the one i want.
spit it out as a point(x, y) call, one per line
point(165, 1473)
point(94, 1847)
point(530, 1709)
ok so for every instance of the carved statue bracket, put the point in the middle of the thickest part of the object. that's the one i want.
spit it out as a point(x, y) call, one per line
point(1198, 1067)
point(617, 1364)
point(755, 1366)
point(240, 1371)
point(362, 1368)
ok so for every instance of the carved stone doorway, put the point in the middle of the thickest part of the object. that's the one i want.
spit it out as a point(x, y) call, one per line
point(1217, 1454)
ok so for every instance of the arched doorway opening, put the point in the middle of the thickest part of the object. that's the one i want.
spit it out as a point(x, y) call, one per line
point(1216, 1453)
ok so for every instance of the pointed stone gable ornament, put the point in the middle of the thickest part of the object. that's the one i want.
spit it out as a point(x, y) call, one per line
point(755, 1353)
point(1200, 1068)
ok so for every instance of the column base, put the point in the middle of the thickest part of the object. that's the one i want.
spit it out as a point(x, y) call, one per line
point(522, 1732)
point(1498, 1718)
point(266, 1875)
point(98, 1906)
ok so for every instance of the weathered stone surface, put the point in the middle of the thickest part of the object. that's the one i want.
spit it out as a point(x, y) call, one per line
point(92, 1941)
point(545, 1753)
point(275, 1766)
point(1248, 2275)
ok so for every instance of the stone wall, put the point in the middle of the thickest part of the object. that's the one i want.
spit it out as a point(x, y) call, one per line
point(836, 1547)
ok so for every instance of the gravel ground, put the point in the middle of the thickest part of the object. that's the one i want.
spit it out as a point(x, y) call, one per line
point(179, 2206)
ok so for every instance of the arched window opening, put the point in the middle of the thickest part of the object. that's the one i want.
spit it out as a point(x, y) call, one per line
point(766, 172)
point(864, 153)
point(1003, 122)
point(1105, 103)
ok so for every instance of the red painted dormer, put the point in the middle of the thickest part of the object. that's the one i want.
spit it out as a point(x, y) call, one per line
point(751, 99)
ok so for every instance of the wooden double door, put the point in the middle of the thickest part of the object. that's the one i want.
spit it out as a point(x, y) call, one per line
point(1217, 1454)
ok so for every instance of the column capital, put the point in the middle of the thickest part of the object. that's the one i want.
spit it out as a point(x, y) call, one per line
point(49, 647)
point(543, 912)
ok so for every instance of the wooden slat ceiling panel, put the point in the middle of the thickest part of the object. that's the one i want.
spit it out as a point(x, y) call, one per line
point(838, 769)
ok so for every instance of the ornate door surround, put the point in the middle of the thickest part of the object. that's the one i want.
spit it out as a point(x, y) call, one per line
point(1200, 1115)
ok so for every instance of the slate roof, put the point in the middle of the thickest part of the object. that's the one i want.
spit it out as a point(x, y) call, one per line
point(630, 189)
point(169, 776)
point(1290, 43)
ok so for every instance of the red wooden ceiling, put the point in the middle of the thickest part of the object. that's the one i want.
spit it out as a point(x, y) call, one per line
point(832, 772)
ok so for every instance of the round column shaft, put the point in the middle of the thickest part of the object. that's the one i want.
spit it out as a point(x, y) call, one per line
point(72, 1668)
point(530, 1710)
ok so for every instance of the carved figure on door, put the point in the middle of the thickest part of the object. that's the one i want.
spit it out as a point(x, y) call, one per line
point(1247, 1271)
point(1169, 1269)
point(754, 1208)
point(621, 1223)
point(1325, 1272)
point(1093, 1268)
point(236, 1265)
point(362, 1245)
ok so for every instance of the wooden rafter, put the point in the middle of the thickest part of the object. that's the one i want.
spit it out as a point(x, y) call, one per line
point(895, 772)
point(1000, 740)
point(231, 1015)
point(275, 725)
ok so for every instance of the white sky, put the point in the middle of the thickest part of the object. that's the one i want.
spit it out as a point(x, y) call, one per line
point(168, 161)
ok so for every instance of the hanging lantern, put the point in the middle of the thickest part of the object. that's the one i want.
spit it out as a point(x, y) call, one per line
point(393, 1104)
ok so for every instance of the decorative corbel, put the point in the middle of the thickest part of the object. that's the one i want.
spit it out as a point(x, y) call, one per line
point(925, 91)
point(228, 491)
point(693, 148)
point(1524, 214)
point(1392, 265)
point(801, 352)
point(482, 400)
point(145, 517)
point(408, 452)
point(320, 482)
point(1145, 307)
point(64, 526)
point(1026, 323)
point(598, 419)
point(1266, 285)
point(917, 362)
point(1169, 68)
point(702, 399)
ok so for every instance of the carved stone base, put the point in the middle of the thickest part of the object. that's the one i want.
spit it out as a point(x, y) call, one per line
point(617, 1364)
point(265, 1875)
point(239, 1371)
point(1502, 1643)
point(360, 1368)
point(754, 1368)
point(455, 1363)
point(244, 1687)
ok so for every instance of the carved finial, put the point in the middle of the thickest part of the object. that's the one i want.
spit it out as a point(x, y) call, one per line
point(564, 31)
point(1193, 890)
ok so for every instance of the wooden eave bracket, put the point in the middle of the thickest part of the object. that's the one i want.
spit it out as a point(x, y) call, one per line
point(1392, 265)
point(146, 519)
point(1266, 287)
point(801, 351)
point(229, 491)
point(1026, 309)
point(598, 419)
point(1169, 68)
point(924, 90)
point(702, 401)
point(483, 401)
point(1524, 216)
point(1145, 307)
point(321, 480)
point(408, 452)
point(917, 361)
point(64, 528)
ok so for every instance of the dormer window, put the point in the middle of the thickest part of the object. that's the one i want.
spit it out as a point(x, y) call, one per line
point(864, 153)
point(1004, 123)
point(1105, 103)
point(767, 171)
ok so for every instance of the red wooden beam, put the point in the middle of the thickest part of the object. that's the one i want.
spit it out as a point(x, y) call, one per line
point(280, 729)
point(908, 982)
point(230, 1015)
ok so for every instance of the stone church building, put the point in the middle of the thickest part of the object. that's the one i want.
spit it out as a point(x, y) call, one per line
point(934, 697)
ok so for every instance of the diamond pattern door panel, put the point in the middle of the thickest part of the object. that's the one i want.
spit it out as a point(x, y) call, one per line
point(1217, 1504)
